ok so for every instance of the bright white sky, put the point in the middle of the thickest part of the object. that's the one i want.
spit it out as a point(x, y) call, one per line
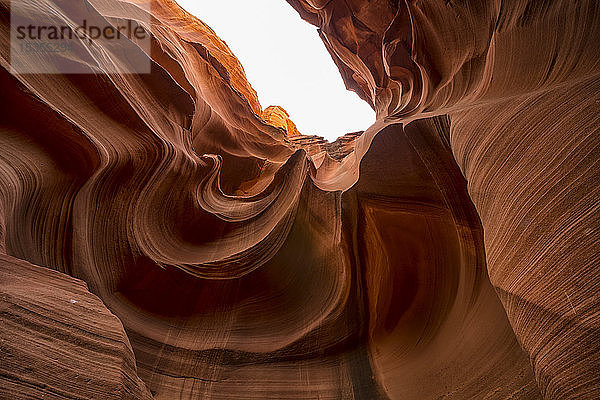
point(287, 64)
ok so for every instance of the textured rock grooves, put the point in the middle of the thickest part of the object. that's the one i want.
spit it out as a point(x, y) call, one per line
point(245, 260)
point(59, 341)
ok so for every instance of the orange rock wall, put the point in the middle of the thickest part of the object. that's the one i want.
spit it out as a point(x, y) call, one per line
point(449, 251)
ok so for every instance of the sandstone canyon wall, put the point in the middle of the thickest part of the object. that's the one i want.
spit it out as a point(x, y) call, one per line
point(449, 251)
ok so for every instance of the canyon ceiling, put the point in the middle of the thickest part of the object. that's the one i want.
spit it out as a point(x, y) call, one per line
point(162, 236)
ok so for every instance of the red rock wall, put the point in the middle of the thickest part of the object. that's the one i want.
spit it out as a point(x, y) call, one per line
point(59, 341)
point(449, 251)
point(519, 83)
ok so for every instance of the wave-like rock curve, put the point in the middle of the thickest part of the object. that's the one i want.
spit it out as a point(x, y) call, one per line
point(449, 251)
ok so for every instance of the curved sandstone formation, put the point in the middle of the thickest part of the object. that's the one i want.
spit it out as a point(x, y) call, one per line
point(277, 116)
point(449, 251)
point(519, 82)
point(59, 341)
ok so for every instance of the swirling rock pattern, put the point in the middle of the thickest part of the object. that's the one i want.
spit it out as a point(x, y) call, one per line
point(449, 251)
point(519, 83)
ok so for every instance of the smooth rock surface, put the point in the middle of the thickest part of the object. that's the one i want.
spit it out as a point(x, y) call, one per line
point(448, 251)
point(519, 82)
point(59, 341)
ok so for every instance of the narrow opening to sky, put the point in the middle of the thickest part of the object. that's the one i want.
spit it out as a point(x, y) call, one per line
point(287, 64)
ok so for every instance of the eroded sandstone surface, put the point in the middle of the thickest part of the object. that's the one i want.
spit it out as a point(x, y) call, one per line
point(449, 251)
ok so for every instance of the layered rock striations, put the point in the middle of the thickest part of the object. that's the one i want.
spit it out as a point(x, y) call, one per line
point(449, 251)
point(59, 341)
point(519, 83)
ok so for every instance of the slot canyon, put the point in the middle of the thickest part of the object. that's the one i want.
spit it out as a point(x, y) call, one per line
point(164, 236)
